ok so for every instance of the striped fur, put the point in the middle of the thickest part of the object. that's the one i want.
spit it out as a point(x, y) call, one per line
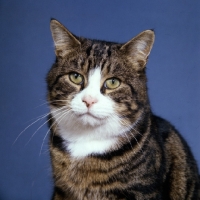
point(146, 157)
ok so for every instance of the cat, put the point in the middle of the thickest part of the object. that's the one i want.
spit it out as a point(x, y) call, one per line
point(105, 142)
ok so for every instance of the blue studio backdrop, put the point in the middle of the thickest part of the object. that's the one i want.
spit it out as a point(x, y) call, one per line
point(27, 53)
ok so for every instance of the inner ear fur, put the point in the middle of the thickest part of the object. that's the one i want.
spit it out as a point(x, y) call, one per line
point(64, 41)
point(138, 48)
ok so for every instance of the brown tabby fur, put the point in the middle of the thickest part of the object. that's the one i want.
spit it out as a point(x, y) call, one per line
point(153, 162)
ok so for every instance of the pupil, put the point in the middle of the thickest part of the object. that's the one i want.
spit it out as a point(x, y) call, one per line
point(76, 76)
point(113, 81)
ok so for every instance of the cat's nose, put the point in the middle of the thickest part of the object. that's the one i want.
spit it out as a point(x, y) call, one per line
point(89, 100)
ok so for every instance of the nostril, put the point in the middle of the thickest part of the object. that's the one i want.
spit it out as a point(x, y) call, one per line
point(89, 100)
point(86, 103)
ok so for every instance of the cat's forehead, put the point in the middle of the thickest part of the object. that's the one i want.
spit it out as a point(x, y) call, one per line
point(96, 53)
point(101, 48)
point(98, 48)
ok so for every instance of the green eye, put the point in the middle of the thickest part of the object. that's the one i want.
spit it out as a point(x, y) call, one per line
point(112, 83)
point(76, 78)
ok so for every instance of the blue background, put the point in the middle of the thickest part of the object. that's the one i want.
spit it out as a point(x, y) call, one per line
point(27, 53)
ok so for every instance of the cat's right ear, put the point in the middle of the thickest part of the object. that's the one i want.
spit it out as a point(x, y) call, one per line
point(64, 41)
point(138, 48)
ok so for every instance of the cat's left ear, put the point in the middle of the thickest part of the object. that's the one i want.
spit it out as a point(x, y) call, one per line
point(138, 48)
point(65, 42)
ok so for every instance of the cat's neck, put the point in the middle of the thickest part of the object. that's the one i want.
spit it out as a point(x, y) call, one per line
point(81, 141)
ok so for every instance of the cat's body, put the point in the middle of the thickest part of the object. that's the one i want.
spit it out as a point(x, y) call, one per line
point(105, 142)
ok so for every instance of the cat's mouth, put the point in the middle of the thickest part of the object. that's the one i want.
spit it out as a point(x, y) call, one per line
point(89, 115)
point(91, 119)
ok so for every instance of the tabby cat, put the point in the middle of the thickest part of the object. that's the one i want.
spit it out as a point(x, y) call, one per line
point(105, 142)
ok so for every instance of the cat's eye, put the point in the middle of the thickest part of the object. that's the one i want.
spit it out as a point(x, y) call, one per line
point(112, 83)
point(76, 78)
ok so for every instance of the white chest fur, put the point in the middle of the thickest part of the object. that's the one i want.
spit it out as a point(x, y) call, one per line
point(86, 144)
point(82, 149)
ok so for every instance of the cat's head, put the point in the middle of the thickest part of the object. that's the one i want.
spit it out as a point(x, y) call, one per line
point(96, 83)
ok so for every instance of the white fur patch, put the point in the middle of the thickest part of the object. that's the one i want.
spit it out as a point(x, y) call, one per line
point(89, 130)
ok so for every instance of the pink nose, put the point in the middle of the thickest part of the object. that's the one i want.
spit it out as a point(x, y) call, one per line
point(89, 100)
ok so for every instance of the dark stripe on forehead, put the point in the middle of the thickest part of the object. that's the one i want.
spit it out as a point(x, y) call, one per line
point(93, 48)
point(89, 65)
point(102, 64)
point(82, 64)
point(106, 51)
point(107, 67)
point(109, 52)
point(88, 50)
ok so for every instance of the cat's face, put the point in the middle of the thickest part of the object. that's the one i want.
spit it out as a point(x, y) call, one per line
point(89, 105)
point(97, 85)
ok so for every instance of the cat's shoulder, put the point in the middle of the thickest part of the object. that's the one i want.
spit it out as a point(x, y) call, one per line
point(169, 134)
point(164, 127)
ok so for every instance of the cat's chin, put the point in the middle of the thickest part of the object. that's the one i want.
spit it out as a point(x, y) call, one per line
point(89, 119)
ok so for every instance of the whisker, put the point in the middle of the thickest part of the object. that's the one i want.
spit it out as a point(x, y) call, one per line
point(129, 141)
point(60, 117)
point(123, 122)
point(43, 125)
point(45, 115)
point(40, 118)
point(132, 128)
point(56, 121)
point(48, 102)
point(29, 126)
